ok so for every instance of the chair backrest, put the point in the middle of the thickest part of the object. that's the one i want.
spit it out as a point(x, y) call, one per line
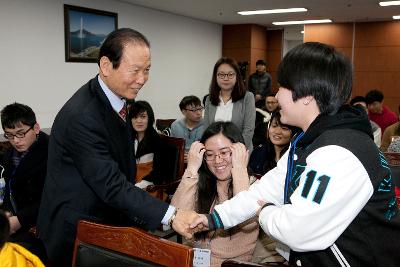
point(162, 124)
point(177, 154)
point(394, 164)
point(103, 245)
point(238, 263)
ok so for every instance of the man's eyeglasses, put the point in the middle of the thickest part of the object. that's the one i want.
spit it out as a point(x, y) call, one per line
point(20, 135)
point(195, 109)
point(224, 154)
point(230, 75)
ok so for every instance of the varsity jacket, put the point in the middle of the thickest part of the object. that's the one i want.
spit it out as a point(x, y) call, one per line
point(332, 196)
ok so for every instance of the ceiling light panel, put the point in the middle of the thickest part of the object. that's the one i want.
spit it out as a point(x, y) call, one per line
point(272, 11)
point(302, 22)
point(389, 3)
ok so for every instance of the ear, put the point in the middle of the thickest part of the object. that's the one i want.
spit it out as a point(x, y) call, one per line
point(307, 100)
point(105, 66)
point(36, 128)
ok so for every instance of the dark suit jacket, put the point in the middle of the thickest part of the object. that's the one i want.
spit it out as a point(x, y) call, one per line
point(26, 182)
point(90, 174)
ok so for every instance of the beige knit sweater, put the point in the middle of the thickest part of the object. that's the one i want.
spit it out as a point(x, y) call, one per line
point(240, 241)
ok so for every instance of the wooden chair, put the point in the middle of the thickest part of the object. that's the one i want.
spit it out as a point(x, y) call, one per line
point(163, 124)
point(177, 164)
point(237, 263)
point(103, 245)
point(165, 191)
point(394, 164)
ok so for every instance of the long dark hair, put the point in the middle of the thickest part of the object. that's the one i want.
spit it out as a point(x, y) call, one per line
point(150, 133)
point(238, 92)
point(207, 185)
point(270, 162)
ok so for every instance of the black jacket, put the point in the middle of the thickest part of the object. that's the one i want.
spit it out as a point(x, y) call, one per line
point(373, 237)
point(26, 182)
point(90, 174)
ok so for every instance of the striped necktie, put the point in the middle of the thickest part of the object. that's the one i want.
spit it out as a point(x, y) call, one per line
point(122, 112)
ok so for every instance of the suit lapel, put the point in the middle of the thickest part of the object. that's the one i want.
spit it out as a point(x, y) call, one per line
point(119, 133)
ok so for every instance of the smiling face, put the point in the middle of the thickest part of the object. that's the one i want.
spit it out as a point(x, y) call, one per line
point(132, 73)
point(228, 81)
point(218, 148)
point(140, 122)
point(279, 134)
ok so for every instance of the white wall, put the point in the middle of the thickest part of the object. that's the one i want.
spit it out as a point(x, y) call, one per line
point(33, 70)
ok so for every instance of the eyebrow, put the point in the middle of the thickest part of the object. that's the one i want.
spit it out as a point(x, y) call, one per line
point(208, 150)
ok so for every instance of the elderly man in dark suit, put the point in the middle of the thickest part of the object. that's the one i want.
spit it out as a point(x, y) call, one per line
point(91, 157)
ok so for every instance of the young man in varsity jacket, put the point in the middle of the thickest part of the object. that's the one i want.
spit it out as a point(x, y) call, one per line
point(331, 197)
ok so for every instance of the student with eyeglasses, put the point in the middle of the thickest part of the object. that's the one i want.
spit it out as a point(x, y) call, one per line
point(229, 100)
point(25, 167)
point(216, 171)
point(190, 127)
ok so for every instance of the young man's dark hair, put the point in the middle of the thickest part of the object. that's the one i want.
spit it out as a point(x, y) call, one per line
point(357, 99)
point(114, 44)
point(4, 229)
point(261, 62)
point(190, 100)
point(304, 71)
point(373, 95)
point(16, 113)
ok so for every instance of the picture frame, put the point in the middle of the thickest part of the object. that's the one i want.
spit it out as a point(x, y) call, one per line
point(85, 30)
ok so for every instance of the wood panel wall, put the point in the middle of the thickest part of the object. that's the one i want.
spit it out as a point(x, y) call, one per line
point(377, 60)
point(250, 42)
point(374, 48)
point(236, 41)
point(274, 55)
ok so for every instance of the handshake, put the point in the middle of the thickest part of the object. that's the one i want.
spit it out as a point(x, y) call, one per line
point(187, 223)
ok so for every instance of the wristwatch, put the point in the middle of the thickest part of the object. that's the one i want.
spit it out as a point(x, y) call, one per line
point(171, 220)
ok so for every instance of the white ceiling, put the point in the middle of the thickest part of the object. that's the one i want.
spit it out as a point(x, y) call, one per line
point(224, 11)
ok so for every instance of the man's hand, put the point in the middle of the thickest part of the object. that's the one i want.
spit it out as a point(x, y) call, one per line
point(14, 224)
point(200, 223)
point(182, 222)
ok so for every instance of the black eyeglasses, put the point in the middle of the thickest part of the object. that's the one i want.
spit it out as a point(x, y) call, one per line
point(230, 75)
point(10, 136)
point(195, 109)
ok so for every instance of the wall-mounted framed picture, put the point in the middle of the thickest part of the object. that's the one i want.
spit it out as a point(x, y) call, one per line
point(85, 30)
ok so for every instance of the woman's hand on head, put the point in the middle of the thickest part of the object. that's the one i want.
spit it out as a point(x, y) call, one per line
point(240, 155)
point(195, 156)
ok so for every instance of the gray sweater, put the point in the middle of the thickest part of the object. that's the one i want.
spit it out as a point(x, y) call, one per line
point(179, 129)
point(243, 116)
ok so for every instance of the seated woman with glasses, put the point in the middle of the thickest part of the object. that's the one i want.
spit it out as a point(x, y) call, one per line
point(277, 141)
point(149, 147)
point(229, 100)
point(216, 171)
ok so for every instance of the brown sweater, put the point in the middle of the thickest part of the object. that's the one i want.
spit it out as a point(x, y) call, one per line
point(237, 243)
point(387, 136)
